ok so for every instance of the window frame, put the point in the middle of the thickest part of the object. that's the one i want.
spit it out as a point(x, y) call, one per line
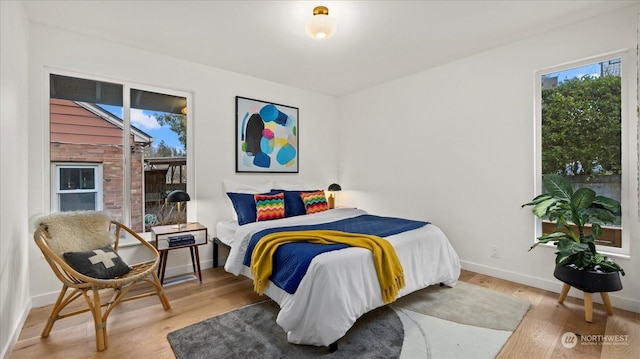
point(626, 138)
point(126, 90)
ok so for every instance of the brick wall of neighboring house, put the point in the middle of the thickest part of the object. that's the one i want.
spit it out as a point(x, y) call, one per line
point(110, 156)
point(81, 136)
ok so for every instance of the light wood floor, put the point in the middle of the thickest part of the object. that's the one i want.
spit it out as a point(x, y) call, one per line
point(138, 329)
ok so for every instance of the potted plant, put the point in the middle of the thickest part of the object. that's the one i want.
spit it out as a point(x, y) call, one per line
point(577, 261)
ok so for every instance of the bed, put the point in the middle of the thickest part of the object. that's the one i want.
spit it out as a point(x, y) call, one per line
point(341, 285)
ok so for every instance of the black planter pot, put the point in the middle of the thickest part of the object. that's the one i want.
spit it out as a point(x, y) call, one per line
point(587, 280)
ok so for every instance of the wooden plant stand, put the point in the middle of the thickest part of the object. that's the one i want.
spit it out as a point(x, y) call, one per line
point(588, 302)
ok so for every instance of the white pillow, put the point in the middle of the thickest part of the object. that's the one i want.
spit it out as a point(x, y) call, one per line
point(237, 187)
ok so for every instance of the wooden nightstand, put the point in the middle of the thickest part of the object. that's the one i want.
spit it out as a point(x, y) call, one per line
point(162, 233)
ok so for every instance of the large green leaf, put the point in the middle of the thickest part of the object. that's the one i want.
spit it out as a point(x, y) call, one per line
point(608, 265)
point(541, 209)
point(538, 199)
point(558, 186)
point(569, 247)
point(568, 250)
point(552, 237)
point(582, 198)
point(598, 258)
point(564, 259)
point(559, 214)
point(583, 260)
point(609, 204)
point(602, 216)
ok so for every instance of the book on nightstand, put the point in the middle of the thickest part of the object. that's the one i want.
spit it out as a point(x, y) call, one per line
point(181, 240)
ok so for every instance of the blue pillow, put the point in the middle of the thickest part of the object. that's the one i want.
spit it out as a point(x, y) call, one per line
point(293, 205)
point(245, 205)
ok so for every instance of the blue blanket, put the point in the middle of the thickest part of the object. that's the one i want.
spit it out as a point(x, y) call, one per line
point(291, 260)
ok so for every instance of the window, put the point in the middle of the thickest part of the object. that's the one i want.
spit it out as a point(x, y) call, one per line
point(77, 187)
point(581, 122)
point(117, 147)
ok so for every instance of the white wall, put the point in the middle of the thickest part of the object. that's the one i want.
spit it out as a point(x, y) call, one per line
point(214, 92)
point(14, 233)
point(454, 145)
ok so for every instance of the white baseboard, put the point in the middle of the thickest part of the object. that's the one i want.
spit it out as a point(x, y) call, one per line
point(551, 285)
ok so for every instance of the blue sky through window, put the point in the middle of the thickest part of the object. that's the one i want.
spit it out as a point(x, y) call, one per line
point(592, 70)
point(145, 121)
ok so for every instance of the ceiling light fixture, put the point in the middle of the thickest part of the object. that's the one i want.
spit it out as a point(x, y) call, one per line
point(320, 26)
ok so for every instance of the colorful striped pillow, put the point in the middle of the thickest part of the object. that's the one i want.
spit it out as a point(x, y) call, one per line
point(269, 206)
point(314, 202)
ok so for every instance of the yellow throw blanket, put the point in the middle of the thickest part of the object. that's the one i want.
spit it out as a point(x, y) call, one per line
point(388, 267)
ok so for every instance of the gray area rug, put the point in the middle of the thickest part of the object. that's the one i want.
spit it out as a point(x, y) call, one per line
point(465, 321)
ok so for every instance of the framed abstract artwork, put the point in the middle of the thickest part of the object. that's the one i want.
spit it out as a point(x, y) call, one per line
point(266, 137)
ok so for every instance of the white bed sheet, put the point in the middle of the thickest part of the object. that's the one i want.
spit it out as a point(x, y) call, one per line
point(340, 286)
point(226, 230)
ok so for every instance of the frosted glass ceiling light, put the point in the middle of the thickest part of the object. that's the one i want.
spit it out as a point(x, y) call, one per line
point(320, 25)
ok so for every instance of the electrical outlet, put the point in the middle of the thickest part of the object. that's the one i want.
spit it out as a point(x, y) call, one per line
point(495, 252)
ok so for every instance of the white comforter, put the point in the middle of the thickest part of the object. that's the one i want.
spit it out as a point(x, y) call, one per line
point(340, 286)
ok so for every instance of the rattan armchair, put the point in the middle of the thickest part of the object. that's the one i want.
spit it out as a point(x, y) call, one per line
point(76, 285)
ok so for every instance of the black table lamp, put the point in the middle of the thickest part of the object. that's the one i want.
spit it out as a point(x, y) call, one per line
point(332, 196)
point(179, 196)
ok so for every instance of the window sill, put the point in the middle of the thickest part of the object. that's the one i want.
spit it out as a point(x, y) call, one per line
point(132, 242)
